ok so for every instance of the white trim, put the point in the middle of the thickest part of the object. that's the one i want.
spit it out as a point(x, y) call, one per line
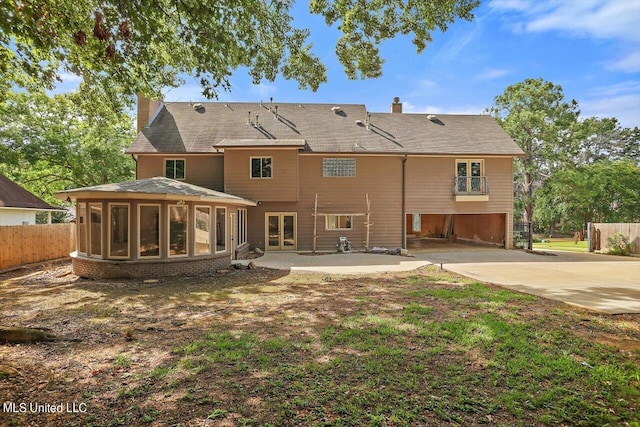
point(169, 232)
point(90, 233)
point(251, 167)
point(109, 206)
point(242, 226)
point(175, 159)
point(472, 198)
point(195, 227)
point(226, 246)
point(327, 221)
point(159, 206)
point(84, 225)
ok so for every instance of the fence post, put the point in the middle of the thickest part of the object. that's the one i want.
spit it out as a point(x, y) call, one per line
point(589, 237)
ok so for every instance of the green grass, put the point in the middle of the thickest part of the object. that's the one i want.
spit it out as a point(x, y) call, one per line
point(560, 244)
point(413, 366)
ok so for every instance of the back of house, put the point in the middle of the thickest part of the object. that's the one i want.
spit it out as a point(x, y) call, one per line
point(318, 172)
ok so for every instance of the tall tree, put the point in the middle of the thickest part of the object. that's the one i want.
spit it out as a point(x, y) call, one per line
point(143, 46)
point(604, 191)
point(48, 144)
point(535, 114)
point(605, 139)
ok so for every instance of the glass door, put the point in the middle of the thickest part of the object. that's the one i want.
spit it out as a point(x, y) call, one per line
point(280, 232)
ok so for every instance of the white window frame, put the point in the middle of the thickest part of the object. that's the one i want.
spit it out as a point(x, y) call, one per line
point(328, 222)
point(109, 241)
point(326, 165)
point(83, 225)
point(195, 225)
point(184, 168)
point(251, 167)
point(169, 232)
point(159, 230)
point(226, 246)
point(242, 226)
point(90, 233)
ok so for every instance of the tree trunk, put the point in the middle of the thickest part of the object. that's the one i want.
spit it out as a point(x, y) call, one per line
point(25, 335)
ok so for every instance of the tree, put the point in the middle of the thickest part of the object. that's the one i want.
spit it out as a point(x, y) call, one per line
point(535, 114)
point(604, 139)
point(48, 144)
point(604, 191)
point(144, 46)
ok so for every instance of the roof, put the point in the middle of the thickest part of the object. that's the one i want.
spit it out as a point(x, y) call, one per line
point(154, 188)
point(14, 196)
point(210, 127)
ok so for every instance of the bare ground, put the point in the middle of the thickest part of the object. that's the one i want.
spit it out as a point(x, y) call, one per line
point(129, 331)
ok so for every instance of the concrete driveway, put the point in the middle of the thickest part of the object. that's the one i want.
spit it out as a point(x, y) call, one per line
point(597, 282)
point(602, 283)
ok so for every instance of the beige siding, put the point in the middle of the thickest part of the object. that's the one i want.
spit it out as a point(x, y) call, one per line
point(430, 182)
point(281, 187)
point(203, 170)
point(380, 177)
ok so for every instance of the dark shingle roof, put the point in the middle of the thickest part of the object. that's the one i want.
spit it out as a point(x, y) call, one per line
point(179, 128)
point(14, 196)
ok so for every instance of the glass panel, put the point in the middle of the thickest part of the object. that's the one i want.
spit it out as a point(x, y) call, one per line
point(242, 226)
point(178, 220)
point(476, 173)
point(288, 231)
point(221, 229)
point(96, 228)
point(255, 168)
point(149, 230)
point(170, 169)
point(417, 223)
point(332, 167)
point(345, 222)
point(461, 168)
point(274, 231)
point(266, 167)
point(179, 172)
point(82, 228)
point(119, 244)
point(203, 230)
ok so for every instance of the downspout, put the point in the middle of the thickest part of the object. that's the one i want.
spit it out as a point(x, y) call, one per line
point(404, 215)
point(133, 156)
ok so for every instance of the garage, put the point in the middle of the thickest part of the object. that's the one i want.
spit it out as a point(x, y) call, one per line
point(478, 228)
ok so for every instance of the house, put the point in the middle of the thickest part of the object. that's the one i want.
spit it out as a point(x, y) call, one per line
point(18, 206)
point(296, 177)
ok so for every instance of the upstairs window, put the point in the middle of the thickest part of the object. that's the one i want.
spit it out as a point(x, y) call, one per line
point(338, 167)
point(261, 167)
point(174, 168)
point(470, 177)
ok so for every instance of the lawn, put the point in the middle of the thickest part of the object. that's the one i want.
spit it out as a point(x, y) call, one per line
point(262, 348)
point(561, 244)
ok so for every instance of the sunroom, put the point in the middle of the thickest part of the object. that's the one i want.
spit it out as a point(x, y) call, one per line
point(155, 227)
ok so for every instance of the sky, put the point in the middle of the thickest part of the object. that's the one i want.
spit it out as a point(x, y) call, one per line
point(589, 47)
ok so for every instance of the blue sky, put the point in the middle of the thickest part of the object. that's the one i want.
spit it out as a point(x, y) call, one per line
point(589, 47)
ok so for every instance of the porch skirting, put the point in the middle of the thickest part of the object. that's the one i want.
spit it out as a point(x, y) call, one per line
point(94, 268)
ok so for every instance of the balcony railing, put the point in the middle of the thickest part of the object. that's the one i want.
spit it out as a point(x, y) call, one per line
point(471, 186)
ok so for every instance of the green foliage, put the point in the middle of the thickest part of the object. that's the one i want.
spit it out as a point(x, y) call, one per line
point(535, 114)
point(618, 244)
point(48, 144)
point(144, 46)
point(600, 192)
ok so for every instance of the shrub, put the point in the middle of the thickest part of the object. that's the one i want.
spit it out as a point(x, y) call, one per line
point(618, 244)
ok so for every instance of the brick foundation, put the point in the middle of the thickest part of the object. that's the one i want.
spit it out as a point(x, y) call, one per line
point(112, 269)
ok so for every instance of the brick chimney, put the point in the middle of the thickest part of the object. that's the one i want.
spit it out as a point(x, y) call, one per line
point(147, 108)
point(396, 106)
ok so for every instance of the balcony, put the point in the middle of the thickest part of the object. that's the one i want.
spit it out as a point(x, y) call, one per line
point(471, 189)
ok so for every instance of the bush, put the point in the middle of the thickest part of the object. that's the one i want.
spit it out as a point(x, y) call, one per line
point(618, 244)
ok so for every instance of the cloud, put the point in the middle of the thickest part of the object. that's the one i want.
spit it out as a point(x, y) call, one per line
point(492, 73)
point(620, 100)
point(628, 64)
point(408, 107)
point(263, 89)
point(611, 19)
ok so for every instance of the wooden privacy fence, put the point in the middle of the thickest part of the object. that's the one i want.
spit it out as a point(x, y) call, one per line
point(599, 232)
point(26, 244)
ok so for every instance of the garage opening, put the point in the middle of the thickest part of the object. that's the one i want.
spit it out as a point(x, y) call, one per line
point(475, 228)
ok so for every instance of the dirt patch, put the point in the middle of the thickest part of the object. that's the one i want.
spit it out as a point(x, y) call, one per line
point(183, 350)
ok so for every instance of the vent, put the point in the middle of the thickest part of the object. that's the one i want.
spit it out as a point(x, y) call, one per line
point(336, 110)
point(198, 108)
point(432, 117)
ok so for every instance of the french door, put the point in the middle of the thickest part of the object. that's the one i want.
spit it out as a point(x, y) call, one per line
point(280, 231)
